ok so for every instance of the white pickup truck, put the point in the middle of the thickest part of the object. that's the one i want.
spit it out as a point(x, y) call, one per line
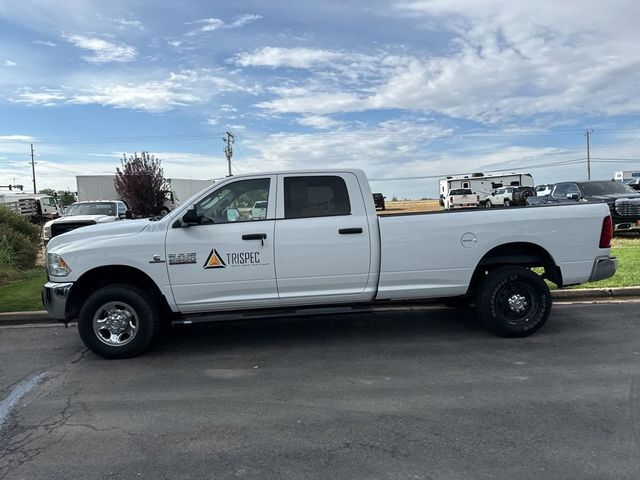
point(321, 247)
point(82, 214)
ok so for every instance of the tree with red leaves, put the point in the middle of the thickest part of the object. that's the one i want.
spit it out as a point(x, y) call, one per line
point(140, 182)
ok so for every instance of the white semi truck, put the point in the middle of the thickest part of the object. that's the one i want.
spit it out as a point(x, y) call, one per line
point(318, 246)
point(102, 187)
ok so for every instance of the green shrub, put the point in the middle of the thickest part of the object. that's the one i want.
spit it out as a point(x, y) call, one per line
point(20, 224)
point(16, 249)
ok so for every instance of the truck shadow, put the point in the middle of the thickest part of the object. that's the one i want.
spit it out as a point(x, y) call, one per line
point(312, 331)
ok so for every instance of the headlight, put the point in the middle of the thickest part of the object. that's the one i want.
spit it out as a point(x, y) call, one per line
point(46, 231)
point(56, 266)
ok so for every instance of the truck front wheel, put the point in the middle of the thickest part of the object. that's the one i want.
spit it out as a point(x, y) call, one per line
point(118, 321)
point(513, 301)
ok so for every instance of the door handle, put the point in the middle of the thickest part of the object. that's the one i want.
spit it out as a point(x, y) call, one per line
point(255, 236)
point(349, 231)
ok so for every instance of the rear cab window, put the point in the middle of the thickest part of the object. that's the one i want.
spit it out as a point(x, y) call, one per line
point(315, 196)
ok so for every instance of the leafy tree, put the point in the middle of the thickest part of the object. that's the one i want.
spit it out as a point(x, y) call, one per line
point(66, 199)
point(140, 182)
point(49, 191)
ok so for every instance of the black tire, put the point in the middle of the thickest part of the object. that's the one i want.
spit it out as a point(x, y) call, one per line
point(507, 203)
point(487, 204)
point(125, 306)
point(513, 302)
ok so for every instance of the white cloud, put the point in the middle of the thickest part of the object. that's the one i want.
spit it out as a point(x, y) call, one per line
point(504, 61)
point(124, 23)
point(9, 63)
point(319, 122)
point(276, 57)
point(177, 89)
point(16, 138)
point(103, 50)
point(212, 24)
point(45, 96)
point(44, 43)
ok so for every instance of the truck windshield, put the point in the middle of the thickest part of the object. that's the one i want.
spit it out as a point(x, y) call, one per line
point(93, 208)
point(606, 188)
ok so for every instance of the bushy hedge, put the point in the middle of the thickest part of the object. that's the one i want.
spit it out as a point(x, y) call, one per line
point(19, 243)
point(20, 224)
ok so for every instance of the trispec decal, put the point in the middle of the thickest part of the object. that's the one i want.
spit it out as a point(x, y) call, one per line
point(240, 259)
point(182, 258)
point(214, 260)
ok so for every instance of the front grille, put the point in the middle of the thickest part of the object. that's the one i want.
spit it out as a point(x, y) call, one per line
point(60, 228)
point(628, 207)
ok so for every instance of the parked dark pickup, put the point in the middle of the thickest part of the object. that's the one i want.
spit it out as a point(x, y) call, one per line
point(623, 201)
point(378, 199)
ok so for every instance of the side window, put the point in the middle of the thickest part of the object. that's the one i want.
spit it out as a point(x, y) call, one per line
point(572, 188)
point(561, 190)
point(121, 208)
point(315, 197)
point(465, 185)
point(241, 201)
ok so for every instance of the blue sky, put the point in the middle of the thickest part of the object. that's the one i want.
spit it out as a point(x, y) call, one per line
point(406, 90)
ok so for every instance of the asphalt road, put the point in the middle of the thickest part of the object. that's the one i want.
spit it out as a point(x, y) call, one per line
point(420, 395)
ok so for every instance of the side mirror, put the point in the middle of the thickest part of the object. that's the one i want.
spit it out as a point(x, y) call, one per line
point(190, 217)
point(128, 214)
point(573, 196)
point(232, 214)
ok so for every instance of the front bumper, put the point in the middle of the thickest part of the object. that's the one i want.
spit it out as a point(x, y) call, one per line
point(54, 299)
point(603, 267)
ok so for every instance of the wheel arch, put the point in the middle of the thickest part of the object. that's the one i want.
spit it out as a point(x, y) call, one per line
point(522, 254)
point(99, 277)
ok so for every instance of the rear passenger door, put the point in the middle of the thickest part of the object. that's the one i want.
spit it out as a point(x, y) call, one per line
point(322, 238)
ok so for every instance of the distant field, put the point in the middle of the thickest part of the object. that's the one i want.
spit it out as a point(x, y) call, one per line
point(411, 206)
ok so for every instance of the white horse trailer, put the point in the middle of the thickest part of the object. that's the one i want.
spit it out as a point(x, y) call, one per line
point(482, 184)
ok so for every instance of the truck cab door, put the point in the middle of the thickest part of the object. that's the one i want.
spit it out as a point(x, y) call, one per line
point(323, 245)
point(223, 258)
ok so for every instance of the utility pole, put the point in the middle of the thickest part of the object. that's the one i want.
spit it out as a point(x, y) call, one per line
point(33, 170)
point(228, 149)
point(587, 134)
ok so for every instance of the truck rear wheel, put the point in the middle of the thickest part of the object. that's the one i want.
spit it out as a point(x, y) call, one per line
point(118, 321)
point(513, 302)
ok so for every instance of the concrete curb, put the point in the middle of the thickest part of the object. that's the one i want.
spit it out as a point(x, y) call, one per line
point(595, 293)
point(573, 295)
point(23, 318)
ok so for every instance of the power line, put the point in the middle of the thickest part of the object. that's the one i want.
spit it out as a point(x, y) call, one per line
point(33, 170)
point(520, 167)
point(587, 133)
point(179, 137)
point(228, 149)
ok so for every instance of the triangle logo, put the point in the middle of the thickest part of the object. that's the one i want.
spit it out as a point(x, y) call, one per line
point(214, 260)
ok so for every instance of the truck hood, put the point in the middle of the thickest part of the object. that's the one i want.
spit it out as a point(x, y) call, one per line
point(82, 218)
point(611, 197)
point(109, 229)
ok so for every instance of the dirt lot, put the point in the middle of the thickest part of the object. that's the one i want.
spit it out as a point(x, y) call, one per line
point(411, 206)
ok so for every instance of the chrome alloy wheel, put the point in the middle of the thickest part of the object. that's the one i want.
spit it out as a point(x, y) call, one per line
point(115, 323)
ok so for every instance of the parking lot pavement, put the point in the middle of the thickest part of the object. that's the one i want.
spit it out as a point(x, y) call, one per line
point(413, 395)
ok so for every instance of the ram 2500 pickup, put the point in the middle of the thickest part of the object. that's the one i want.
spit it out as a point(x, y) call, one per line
point(319, 247)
